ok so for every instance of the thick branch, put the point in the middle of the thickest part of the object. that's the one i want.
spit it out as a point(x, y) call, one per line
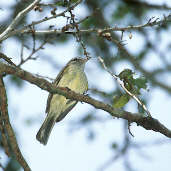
point(146, 122)
point(8, 128)
point(3, 135)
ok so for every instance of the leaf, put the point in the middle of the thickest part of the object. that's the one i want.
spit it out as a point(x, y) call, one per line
point(141, 82)
point(126, 74)
point(121, 101)
point(90, 22)
point(60, 3)
point(74, 1)
point(132, 84)
point(141, 109)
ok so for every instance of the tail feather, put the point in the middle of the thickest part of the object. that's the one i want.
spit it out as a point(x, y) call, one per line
point(45, 130)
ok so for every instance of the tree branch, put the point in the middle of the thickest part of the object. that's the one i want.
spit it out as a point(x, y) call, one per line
point(99, 31)
point(146, 122)
point(8, 60)
point(12, 32)
point(3, 135)
point(120, 82)
point(16, 20)
point(30, 57)
point(152, 22)
point(8, 128)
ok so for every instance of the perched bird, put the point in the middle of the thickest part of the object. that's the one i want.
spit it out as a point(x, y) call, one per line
point(73, 77)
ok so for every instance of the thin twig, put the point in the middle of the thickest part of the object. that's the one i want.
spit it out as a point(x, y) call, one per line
point(34, 40)
point(8, 60)
point(30, 57)
point(27, 27)
point(22, 50)
point(56, 15)
point(151, 22)
point(16, 20)
point(78, 35)
point(122, 85)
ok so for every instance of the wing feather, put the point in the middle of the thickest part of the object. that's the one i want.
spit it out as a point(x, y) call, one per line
point(58, 78)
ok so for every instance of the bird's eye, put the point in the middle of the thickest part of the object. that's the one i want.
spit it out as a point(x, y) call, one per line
point(75, 59)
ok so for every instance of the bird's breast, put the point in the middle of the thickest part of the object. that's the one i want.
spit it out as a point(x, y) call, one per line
point(74, 80)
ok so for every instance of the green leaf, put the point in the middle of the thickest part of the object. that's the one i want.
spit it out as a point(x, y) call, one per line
point(132, 84)
point(74, 1)
point(121, 101)
point(126, 74)
point(60, 3)
point(65, 3)
point(141, 82)
point(90, 22)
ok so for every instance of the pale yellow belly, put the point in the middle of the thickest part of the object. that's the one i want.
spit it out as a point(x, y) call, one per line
point(76, 82)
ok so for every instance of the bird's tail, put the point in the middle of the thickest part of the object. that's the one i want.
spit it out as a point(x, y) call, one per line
point(45, 130)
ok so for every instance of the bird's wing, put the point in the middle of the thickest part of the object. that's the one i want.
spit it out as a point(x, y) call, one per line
point(58, 78)
point(68, 108)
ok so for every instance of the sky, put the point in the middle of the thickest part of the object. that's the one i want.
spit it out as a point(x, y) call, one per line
point(67, 150)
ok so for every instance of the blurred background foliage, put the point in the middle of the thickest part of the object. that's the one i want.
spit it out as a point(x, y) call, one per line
point(103, 14)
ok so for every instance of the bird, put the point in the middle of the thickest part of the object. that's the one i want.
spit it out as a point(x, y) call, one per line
point(73, 77)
